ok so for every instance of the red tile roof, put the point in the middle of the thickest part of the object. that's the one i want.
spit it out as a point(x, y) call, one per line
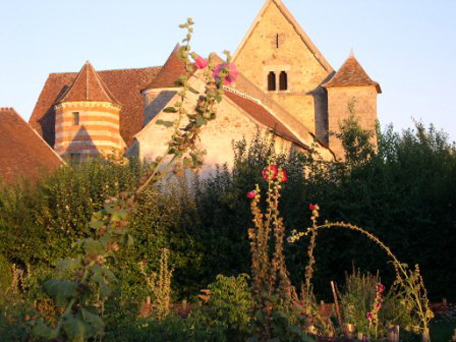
point(124, 84)
point(170, 72)
point(23, 153)
point(351, 73)
point(264, 117)
point(88, 86)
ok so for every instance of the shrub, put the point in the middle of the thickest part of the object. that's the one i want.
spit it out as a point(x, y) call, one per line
point(229, 305)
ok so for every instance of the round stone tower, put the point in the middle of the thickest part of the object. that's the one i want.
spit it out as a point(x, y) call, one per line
point(87, 119)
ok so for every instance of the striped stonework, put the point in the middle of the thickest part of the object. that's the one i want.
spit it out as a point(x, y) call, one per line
point(87, 129)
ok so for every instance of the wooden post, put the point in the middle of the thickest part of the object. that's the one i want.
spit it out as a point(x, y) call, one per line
point(336, 302)
point(349, 330)
point(426, 335)
point(393, 333)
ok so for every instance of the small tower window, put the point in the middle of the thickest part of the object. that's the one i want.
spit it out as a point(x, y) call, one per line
point(283, 81)
point(75, 118)
point(277, 41)
point(272, 81)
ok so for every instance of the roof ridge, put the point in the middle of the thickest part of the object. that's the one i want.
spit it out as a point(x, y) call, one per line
point(240, 93)
point(7, 109)
point(105, 70)
point(87, 81)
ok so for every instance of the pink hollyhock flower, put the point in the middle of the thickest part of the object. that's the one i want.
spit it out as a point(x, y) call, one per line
point(282, 174)
point(369, 315)
point(380, 287)
point(233, 73)
point(270, 172)
point(251, 194)
point(378, 306)
point(312, 207)
point(200, 62)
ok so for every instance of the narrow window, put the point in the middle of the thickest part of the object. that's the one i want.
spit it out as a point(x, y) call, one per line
point(272, 81)
point(283, 81)
point(75, 118)
point(277, 40)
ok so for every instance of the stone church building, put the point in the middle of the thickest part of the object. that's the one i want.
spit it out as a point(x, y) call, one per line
point(285, 86)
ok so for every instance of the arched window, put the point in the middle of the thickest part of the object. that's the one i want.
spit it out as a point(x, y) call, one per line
point(283, 81)
point(272, 81)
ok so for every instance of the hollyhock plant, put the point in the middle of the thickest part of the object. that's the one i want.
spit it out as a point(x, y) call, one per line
point(313, 207)
point(251, 194)
point(270, 172)
point(282, 175)
point(200, 62)
point(233, 73)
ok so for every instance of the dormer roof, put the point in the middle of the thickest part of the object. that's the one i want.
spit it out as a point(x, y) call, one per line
point(170, 72)
point(351, 74)
point(88, 86)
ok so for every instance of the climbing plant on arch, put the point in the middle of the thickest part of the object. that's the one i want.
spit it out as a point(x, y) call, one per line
point(409, 282)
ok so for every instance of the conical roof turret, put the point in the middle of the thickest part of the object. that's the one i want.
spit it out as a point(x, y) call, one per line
point(170, 72)
point(351, 74)
point(88, 86)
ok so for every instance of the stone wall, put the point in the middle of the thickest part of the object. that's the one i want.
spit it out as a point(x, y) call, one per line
point(232, 124)
point(364, 102)
point(275, 45)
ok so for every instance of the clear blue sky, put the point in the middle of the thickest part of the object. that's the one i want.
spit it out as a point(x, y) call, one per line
point(407, 46)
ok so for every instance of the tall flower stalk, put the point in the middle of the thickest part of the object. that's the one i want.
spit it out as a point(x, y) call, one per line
point(271, 285)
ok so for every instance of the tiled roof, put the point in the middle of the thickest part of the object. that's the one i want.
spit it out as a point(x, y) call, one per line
point(88, 86)
point(264, 117)
point(170, 72)
point(23, 153)
point(124, 84)
point(351, 73)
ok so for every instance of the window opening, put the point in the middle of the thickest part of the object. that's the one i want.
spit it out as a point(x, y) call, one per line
point(75, 118)
point(283, 81)
point(272, 81)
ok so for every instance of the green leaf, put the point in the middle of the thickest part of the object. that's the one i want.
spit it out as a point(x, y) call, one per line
point(42, 330)
point(91, 318)
point(187, 163)
point(164, 123)
point(170, 110)
point(61, 291)
point(200, 121)
point(193, 90)
point(95, 224)
point(92, 246)
point(130, 241)
point(75, 329)
point(69, 265)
